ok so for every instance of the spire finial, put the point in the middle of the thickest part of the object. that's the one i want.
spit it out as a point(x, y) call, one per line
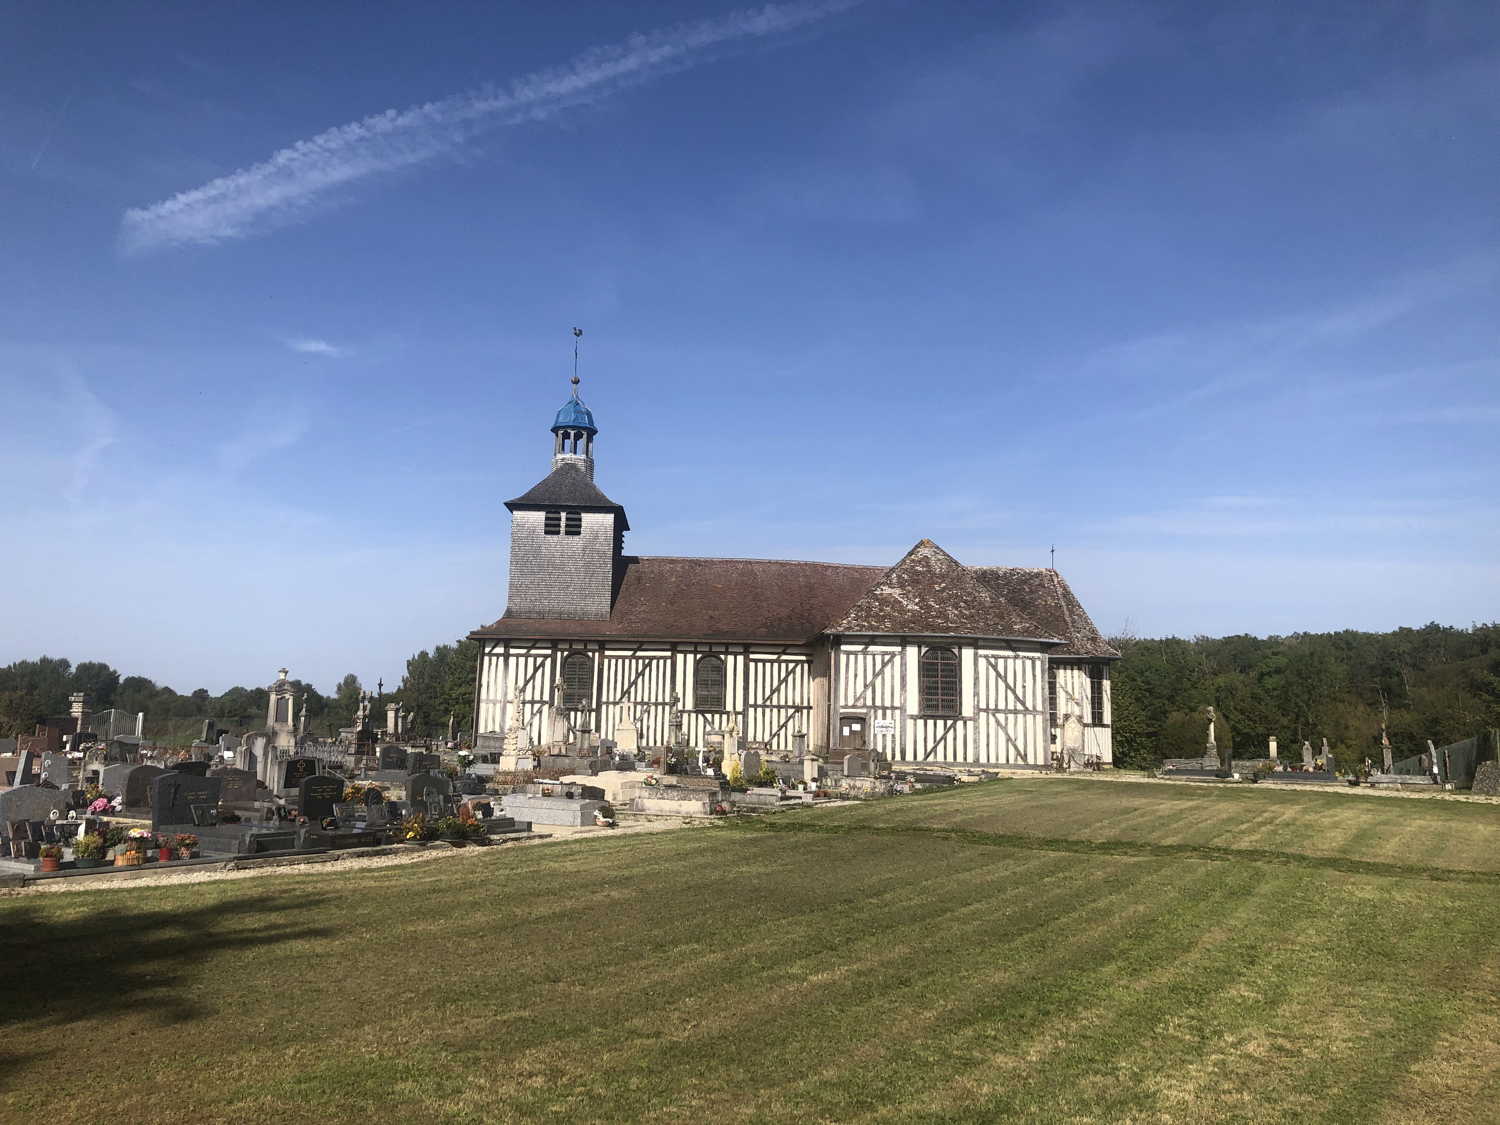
point(577, 335)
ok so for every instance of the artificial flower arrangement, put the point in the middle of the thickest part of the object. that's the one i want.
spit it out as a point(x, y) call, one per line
point(183, 843)
point(99, 806)
point(650, 779)
point(139, 839)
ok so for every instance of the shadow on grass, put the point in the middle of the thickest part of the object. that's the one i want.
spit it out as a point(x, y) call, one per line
point(55, 970)
point(1130, 849)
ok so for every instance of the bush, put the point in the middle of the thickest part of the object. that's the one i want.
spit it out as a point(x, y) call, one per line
point(90, 846)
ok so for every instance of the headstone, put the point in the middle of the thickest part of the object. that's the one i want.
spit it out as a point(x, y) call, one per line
point(376, 815)
point(857, 765)
point(810, 770)
point(236, 786)
point(627, 736)
point(197, 769)
point(419, 761)
point(374, 797)
point(210, 731)
point(750, 763)
point(295, 770)
point(419, 785)
point(317, 795)
point(136, 789)
point(175, 796)
point(56, 769)
point(1070, 738)
point(1272, 749)
point(31, 803)
point(393, 758)
point(112, 778)
point(27, 764)
point(1486, 780)
point(119, 752)
point(1307, 755)
point(1385, 749)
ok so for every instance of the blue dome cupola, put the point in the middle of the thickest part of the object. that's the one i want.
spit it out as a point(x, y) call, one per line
point(573, 433)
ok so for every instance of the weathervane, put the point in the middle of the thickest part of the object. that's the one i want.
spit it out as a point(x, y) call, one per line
point(577, 335)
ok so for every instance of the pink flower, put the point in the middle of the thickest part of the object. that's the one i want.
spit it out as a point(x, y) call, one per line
point(100, 805)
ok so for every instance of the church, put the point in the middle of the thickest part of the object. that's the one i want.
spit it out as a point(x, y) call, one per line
point(924, 662)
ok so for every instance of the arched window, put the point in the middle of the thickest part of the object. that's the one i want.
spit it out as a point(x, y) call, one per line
point(577, 681)
point(939, 678)
point(708, 684)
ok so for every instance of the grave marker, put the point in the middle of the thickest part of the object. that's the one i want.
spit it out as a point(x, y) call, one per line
point(317, 795)
point(176, 798)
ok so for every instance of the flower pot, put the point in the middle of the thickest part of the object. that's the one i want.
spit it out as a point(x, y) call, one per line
point(164, 854)
point(130, 859)
point(51, 863)
point(88, 861)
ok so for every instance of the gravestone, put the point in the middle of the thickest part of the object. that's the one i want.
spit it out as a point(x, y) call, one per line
point(420, 762)
point(197, 769)
point(118, 752)
point(374, 797)
point(1307, 755)
point(1271, 748)
point(175, 795)
point(236, 787)
point(136, 789)
point(31, 802)
point(418, 785)
point(376, 816)
point(112, 778)
point(627, 736)
point(1070, 739)
point(750, 763)
point(317, 795)
point(393, 758)
point(857, 765)
point(8, 764)
point(210, 732)
point(296, 770)
point(55, 768)
point(27, 762)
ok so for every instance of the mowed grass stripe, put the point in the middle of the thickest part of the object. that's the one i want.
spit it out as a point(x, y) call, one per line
point(776, 971)
point(1406, 833)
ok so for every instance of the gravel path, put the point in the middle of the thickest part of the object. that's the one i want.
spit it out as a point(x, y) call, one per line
point(553, 834)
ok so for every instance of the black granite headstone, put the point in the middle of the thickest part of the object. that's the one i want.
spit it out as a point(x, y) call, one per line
point(197, 769)
point(393, 758)
point(296, 769)
point(137, 787)
point(175, 796)
point(317, 795)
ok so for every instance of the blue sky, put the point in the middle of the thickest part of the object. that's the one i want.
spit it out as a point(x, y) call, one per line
point(1204, 296)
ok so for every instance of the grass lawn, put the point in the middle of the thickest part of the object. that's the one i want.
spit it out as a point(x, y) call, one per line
point(1021, 950)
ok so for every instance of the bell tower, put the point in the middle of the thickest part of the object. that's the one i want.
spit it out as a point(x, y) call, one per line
point(566, 536)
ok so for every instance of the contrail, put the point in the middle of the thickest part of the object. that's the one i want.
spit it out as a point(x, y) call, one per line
point(291, 180)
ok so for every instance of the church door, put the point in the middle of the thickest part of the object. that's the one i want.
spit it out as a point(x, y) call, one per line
point(852, 732)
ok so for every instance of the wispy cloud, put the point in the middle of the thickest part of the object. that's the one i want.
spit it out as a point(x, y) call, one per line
point(285, 186)
point(97, 429)
point(267, 428)
point(312, 345)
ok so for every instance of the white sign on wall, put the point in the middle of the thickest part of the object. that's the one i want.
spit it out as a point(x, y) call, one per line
point(885, 726)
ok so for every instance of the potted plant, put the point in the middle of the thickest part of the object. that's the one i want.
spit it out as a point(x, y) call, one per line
point(163, 847)
point(137, 840)
point(185, 844)
point(51, 855)
point(604, 816)
point(88, 851)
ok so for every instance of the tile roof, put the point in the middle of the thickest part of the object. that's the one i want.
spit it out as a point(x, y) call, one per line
point(714, 599)
point(1051, 603)
point(927, 593)
point(931, 592)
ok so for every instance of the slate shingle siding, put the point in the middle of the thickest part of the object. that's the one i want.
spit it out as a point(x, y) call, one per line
point(561, 576)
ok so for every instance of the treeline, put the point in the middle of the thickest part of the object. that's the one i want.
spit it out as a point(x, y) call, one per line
point(1436, 682)
point(436, 684)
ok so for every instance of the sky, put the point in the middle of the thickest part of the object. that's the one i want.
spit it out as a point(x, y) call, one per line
point(1203, 296)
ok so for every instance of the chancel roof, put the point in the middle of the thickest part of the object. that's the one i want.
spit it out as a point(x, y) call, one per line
point(930, 592)
point(927, 593)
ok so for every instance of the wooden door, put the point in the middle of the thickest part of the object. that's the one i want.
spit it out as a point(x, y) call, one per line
point(852, 732)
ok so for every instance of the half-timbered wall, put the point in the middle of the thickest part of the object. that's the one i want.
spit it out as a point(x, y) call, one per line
point(767, 689)
point(1002, 716)
point(1075, 695)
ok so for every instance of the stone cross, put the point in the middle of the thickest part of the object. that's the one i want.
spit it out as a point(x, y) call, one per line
point(1385, 750)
